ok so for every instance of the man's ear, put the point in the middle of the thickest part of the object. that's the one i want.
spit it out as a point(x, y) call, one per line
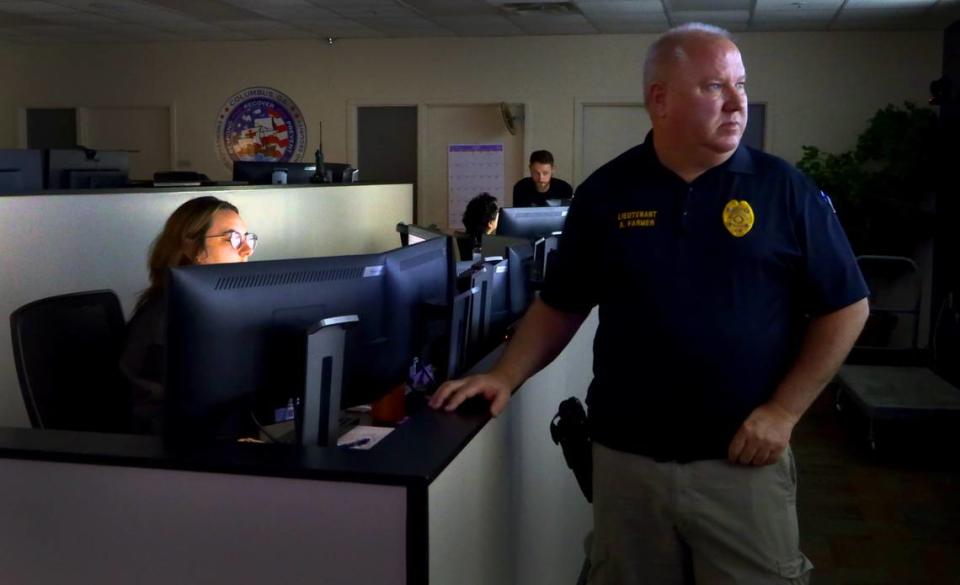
point(657, 100)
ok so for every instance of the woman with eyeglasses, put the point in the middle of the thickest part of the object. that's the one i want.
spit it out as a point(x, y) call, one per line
point(205, 230)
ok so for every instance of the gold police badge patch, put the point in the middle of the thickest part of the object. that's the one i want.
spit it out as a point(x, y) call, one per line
point(738, 217)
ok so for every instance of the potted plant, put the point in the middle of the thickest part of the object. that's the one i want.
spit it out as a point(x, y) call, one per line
point(883, 188)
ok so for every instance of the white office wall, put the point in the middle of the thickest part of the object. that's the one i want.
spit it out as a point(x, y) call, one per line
point(56, 244)
point(820, 87)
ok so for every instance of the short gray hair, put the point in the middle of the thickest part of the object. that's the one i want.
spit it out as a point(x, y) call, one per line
point(669, 46)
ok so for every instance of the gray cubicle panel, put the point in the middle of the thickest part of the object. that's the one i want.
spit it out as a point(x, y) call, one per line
point(21, 171)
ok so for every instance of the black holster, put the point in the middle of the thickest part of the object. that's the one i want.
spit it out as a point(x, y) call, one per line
point(569, 429)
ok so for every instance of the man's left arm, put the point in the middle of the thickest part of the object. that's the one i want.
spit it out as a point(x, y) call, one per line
point(766, 432)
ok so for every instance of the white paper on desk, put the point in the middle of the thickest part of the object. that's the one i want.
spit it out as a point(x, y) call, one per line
point(363, 437)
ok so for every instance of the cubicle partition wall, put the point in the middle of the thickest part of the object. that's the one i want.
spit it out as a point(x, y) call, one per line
point(60, 243)
point(446, 498)
point(21, 171)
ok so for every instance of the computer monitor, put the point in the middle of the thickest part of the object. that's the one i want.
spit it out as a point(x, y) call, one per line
point(500, 315)
point(261, 172)
point(237, 332)
point(21, 171)
point(83, 167)
point(340, 173)
point(520, 269)
point(493, 246)
point(531, 223)
point(236, 339)
point(419, 293)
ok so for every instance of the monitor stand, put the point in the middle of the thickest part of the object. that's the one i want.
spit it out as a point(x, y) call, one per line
point(319, 413)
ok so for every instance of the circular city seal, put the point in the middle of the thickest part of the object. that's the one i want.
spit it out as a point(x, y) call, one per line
point(260, 124)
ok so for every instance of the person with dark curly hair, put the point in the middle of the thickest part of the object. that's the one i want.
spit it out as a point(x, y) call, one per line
point(481, 216)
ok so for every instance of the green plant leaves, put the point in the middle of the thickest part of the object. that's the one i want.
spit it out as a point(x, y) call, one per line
point(883, 188)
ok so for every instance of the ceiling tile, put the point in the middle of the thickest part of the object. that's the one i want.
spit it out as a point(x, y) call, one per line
point(787, 26)
point(619, 8)
point(798, 5)
point(706, 5)
point(360, 10)
point(479, 26)
point(8, 20)
point(34, 7)
point(452, 8)
point(209, 10)
point(553, 24)
point(76, 17)
point(349, 3)
point(719, 17)
point(891, 14)
point(887, 4)
point(294, 13)
point(219, 35)
point(804, 18)
point(337, 27)
point(630, 25)
point(405, 27)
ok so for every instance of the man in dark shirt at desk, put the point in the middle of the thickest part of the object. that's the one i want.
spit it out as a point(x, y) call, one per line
point(535, 190)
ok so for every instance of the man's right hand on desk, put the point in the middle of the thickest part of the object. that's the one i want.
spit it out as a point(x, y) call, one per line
point(491, 386)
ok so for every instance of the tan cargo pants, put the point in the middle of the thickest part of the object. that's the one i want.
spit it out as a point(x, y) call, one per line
point(706, 522)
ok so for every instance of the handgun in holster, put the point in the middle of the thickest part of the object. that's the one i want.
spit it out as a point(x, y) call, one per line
point(569, 429)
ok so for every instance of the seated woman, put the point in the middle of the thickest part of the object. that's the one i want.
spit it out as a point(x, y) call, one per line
point(204, 230)
point(480, 217)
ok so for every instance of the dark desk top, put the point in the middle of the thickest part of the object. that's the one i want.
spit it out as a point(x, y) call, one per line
point(414, 454)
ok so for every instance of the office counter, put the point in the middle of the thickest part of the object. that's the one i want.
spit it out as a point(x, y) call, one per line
point(455, 499)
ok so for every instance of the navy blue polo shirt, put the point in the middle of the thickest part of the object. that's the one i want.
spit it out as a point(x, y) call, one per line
point(703, 290)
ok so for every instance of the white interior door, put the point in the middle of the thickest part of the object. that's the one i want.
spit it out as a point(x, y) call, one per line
point(145, 130)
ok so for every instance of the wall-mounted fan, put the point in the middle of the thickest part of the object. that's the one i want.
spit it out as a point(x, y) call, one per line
point(510, 121)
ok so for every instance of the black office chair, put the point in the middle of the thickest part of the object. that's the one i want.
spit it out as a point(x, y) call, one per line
point(465, 245)
point(66, 349)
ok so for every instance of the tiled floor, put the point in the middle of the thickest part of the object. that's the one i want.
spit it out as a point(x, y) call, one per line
point(891, 517)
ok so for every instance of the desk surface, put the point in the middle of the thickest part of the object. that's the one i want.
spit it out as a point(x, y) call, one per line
point(414, 454)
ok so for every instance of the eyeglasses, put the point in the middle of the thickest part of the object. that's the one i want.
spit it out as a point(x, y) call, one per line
point(237, 239)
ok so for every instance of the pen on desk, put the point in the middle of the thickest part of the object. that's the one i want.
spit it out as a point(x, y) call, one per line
point(357, 443)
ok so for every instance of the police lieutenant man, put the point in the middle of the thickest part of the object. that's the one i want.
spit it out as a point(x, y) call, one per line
point(728, 298)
